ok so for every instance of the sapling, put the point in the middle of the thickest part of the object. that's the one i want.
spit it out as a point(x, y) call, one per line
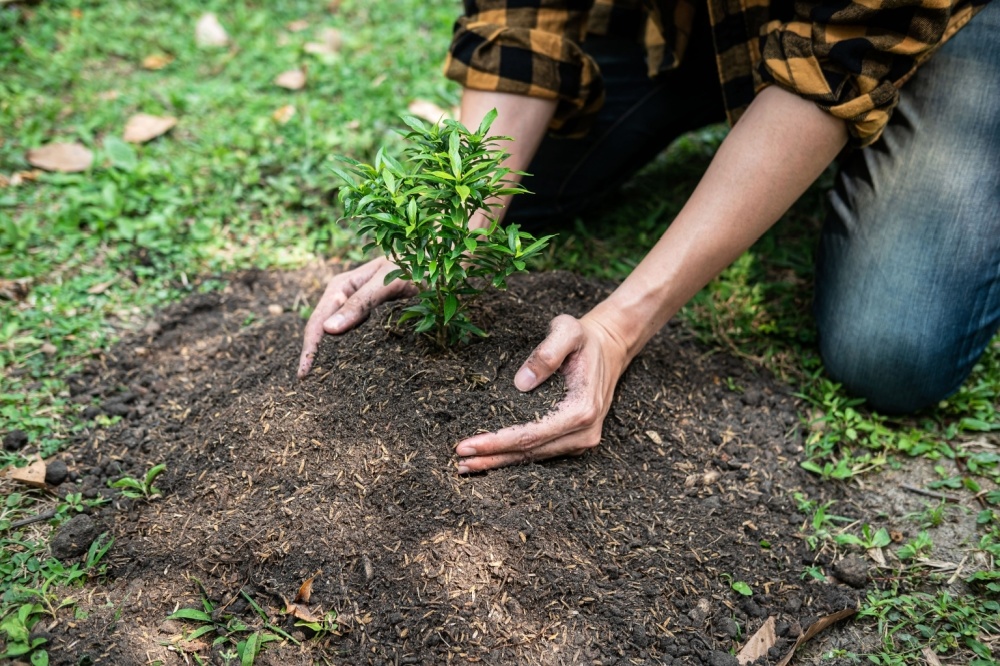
point(418, 214)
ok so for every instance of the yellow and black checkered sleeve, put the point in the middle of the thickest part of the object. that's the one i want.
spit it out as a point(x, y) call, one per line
point(851, 56)
point(529, 47)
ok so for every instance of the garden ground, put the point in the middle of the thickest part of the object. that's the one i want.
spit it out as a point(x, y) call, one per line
point(240, 183)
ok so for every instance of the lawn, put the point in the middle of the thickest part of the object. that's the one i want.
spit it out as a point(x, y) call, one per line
point(243, 181)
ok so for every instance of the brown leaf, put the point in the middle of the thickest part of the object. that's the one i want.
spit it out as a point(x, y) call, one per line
point(33, 475)
point(192, 646)
point(101, 287)
point(930, 657)
point(297, 26)
point(49, 349)
point(763, 640)
point(293, 79)
point(208, 32)
point(301, 612)
point(15, 290)
point(816, 627)
point(143, 127)
point(157, 61)
point(330, 41)
point(283, 114)
point(63, 157)
point(429, 111)
point(305, 590)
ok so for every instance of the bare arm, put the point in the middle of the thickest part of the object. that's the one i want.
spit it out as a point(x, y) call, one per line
point(772, 155)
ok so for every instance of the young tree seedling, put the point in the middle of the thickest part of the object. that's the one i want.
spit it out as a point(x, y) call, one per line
point(419, 216)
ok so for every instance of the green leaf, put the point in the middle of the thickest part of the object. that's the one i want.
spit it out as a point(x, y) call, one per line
point(121, 154)
point(488, 119)
point(881, 539)
point(450, 307)
point(742, 588)
point(190, 614)
point(454, 156)
point(40, 658)
point(250, 649)
point(463, 192)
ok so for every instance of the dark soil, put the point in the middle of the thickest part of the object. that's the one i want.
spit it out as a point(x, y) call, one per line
point(622, 556)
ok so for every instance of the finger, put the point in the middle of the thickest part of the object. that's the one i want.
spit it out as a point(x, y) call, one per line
point(565, 337)
point(367, 296)
point(338, 290)
point(575, 444)
point(575, 415)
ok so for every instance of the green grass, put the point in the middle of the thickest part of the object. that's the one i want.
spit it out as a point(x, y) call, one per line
point(230, 188)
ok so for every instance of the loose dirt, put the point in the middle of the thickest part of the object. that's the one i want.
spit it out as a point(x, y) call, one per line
point(623, 556)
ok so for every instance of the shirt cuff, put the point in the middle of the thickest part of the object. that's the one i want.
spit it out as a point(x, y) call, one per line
point(526, 61)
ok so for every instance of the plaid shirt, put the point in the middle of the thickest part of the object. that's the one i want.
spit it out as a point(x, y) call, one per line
point(848, 56)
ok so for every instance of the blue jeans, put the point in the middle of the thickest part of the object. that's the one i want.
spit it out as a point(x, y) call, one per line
point(908, 273)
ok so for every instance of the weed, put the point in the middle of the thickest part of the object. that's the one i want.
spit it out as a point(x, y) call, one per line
point(141, 489)
point(737, 586)
point(244, 642)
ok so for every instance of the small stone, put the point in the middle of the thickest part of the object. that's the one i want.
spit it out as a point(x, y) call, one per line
point(56, 472)
point(15, 440)
point(90, 413)
point(752, 608)
point(751, 397)
point(274, 309)
point(74, 537)
point(853, 570)
point(720, 658)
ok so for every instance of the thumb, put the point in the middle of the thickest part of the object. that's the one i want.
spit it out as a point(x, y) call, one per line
point(564, 338)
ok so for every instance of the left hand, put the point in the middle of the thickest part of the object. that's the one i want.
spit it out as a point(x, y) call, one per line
point(592, 359)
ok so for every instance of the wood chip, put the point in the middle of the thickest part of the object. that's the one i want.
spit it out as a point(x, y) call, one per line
point(143, 127)
point(61, 157)
point(654, 437)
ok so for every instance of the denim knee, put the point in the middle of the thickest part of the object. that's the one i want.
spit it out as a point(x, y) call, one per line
point(897, 370)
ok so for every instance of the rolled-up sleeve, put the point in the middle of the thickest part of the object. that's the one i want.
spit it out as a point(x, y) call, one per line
point(529, 48)
point(851, 57)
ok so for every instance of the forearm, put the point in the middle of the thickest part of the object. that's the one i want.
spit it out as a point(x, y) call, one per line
point(779, 147)
point(524, 119)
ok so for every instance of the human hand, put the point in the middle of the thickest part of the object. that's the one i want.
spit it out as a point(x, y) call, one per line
point(347, 302)
point(592, 359)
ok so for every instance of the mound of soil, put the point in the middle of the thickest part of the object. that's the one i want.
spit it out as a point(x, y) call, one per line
point(624, 555)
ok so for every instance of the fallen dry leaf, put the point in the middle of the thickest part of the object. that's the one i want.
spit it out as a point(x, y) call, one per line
point(301, 612)
point(283, 114)
point(208, 32)
point(15, 290)
point(62, 157)
point(429, 111)
point(297, 26)
point(4, 181)
point(305, 590)
point(101, 287)
point(143, 127)
point(192, 646)
point(763, 640)
point(333, 6)
point(330, 41)
point(33, 475)
point(157, 61)
point(930, 657)
point(814, 628)
point(294, 79)
point(48, 348)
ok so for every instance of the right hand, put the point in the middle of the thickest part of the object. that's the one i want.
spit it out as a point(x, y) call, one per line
point(348, 300)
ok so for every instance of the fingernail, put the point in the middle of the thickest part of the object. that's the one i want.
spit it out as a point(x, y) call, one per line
point(334, 322)
point(525, 379)
point(465, 450)
point(462, 469)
